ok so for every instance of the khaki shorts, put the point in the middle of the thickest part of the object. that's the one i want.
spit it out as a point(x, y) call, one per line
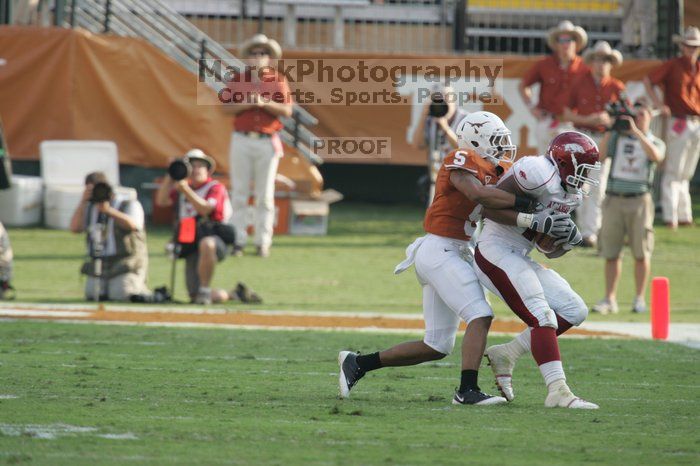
point(631, 217)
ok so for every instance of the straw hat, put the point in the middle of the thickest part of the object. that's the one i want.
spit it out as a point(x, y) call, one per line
point(603, 49)
point(567, 27)
point(691, 37)
point(261, 40)
point(198, 154)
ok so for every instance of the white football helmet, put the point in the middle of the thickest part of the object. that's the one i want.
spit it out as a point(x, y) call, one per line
point(487, 135)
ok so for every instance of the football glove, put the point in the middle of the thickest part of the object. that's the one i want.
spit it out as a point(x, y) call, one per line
point(573, 238)
point(550, 223)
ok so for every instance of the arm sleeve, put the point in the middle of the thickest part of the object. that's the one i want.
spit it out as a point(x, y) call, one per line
point(217, 197)
point(460, 160)
point(532, 175)
point(533, 75)
point(658, 75)
point(282, 94)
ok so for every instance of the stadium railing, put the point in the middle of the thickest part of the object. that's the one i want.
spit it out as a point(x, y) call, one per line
point(405, 26)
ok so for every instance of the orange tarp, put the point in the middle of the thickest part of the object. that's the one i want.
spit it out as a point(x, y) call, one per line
point(66, 84)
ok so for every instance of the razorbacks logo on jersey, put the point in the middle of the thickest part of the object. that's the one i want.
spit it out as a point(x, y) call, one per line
point(452, 214)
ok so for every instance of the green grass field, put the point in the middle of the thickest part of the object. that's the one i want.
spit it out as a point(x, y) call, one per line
point(350, 269)
point(96, 394)
point(89, 394)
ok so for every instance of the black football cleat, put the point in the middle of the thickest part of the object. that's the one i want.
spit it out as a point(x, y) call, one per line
point(350, 372)
point(476, 397)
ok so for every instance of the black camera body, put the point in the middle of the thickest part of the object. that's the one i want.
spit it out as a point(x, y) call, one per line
point(101, 192)
point(438, 107)
point(179, 169)
point(617, 110)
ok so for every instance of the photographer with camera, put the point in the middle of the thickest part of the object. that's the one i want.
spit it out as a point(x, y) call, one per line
point(436, 130)
point(587, 109)
point(116, 240)
point(203, 212)
point(628, 209)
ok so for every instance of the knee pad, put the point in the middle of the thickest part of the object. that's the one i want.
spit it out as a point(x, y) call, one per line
point(549, 319)
point(574, 310)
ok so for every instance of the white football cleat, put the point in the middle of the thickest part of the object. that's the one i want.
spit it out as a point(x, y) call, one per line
point(563, 398)
point(502, 366)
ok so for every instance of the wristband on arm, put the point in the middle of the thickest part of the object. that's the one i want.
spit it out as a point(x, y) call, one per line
point(524, 220)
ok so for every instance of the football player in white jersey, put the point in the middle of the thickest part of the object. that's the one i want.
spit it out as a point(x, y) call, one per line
point(539, 296)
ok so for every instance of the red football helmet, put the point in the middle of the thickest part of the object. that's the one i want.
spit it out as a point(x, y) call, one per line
point(576, 156)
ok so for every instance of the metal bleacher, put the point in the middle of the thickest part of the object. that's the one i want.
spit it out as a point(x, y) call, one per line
point(402, 26)
point(182, 41)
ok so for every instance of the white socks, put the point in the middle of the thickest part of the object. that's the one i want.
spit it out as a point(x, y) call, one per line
point(519, 345)
point(553, 371)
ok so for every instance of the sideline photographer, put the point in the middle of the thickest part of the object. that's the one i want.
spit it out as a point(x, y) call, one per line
point(116, 241)
point(203, 230)
point(6, 257)
point(628, 209)
point(436, 130)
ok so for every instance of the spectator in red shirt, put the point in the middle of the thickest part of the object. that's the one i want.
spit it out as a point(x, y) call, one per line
point(201, 202)
point(680, 80)
point(555, 74)
point(259, 96)
point(589, 96)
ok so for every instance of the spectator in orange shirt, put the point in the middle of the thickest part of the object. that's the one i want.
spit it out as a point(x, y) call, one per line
point(680, 80)
point(260, 95)
point(555, 74)
point(590, 95)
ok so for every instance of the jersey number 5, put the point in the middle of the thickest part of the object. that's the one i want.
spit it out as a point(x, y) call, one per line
point(460, 158)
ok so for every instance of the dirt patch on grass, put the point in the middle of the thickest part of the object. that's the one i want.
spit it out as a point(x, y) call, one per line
point(271, 319)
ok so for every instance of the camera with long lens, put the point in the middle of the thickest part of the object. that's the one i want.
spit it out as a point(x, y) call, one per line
point(179, 169)
point(101, 192)
point(438, 107)
point(619, 109)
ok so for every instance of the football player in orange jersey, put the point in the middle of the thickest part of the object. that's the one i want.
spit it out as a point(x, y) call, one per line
point(443, 257)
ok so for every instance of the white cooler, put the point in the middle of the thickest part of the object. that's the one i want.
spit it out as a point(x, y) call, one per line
point(64, 165)
point(21, 204)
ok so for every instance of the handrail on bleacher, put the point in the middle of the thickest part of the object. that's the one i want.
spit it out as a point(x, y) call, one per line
point(181, 40)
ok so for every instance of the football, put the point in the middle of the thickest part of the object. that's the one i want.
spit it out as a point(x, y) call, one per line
point(545, 243)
